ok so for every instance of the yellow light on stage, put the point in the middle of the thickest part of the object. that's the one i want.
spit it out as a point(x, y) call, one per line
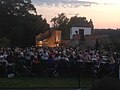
point(57, 41)
point(40, 43)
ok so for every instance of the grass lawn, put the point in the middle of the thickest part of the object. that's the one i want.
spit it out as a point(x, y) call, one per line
point(28, 82)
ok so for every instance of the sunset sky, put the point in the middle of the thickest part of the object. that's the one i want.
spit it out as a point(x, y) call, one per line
point(104, 13)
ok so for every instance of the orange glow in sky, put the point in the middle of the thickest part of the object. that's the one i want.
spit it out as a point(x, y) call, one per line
point(105, 15)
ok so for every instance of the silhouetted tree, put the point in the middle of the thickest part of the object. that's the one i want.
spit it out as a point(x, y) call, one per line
point(17, 7)
point(60, 22)
point(20, 23)
point(91, 24)
point(78, 21)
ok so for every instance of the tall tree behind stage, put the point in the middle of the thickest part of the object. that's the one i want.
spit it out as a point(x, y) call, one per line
point(19, 22)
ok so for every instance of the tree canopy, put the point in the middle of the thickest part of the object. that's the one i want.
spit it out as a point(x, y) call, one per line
point(60, 22)
point(20, 23)
point(16, 7)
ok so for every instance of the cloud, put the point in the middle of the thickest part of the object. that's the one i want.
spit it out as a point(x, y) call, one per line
point(63, 3)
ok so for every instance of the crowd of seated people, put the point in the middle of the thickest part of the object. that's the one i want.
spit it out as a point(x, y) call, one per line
point(58, 61)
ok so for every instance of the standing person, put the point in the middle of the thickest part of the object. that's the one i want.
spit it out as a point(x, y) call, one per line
point(3, 65)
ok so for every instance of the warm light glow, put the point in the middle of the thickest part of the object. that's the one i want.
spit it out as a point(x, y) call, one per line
point(57, 41)
point(40, 43)
point(104, 15)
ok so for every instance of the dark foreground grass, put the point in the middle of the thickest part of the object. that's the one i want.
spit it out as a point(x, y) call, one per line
point(52, 82)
